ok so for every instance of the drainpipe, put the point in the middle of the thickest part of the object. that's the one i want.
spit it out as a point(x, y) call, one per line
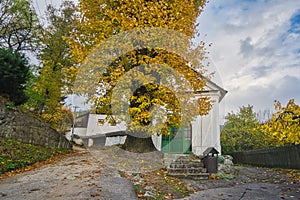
point(201, 124)
point(73, 125)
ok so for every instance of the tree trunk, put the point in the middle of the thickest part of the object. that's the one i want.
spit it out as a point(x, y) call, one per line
point(138, 145)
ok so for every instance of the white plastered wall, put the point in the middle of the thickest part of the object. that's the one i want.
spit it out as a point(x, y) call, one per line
point(205, 130)
point(156, 139)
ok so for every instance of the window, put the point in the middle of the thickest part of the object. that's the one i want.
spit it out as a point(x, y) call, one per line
point(100, 122)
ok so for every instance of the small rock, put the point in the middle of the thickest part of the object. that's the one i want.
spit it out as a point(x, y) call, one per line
point(138, 176)
point(2, 194)
point(149, 194)
point(150, 188)
point(78, 141)
point(228, 157)
point(228, 162)
point(225, 168)
point(34, 189)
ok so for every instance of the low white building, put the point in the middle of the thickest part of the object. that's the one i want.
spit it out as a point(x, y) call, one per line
point(95, 130)
point(203, 132)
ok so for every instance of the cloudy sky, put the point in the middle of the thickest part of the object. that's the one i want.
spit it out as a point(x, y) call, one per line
point(255, 49)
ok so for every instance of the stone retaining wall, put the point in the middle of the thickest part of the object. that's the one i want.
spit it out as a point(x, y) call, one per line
point(27, 129)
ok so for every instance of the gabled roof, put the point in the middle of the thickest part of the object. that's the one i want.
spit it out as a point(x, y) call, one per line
point(212, 87)
point(210, 150)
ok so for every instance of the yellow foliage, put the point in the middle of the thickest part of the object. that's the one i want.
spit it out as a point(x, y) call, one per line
point(100, 20)
point(57, 72)
point(60, 118)
point(284, 126)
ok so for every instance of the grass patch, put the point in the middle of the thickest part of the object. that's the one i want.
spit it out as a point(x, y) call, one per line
point(222, 175)
point(163, 186)
point(15, 155)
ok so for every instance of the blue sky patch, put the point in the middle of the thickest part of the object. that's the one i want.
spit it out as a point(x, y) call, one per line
point(295, 23)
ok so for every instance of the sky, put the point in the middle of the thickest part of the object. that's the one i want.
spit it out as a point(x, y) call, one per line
point(255, 50)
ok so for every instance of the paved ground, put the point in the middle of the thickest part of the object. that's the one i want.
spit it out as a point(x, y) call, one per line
point(94, 174)
point(88, 174)
point(80, 176)
point(251, 183)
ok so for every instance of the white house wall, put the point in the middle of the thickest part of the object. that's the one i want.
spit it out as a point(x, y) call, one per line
point(94, 128)
point(110, 141)
point(80, 131)
point(205, 130)
point(156, 139)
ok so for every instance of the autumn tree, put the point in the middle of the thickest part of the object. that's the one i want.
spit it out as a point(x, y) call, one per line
point(14, 71)
point(19, 25)
point(241, 131)
point(99, 21)
point(284, 126)
point(53, 83)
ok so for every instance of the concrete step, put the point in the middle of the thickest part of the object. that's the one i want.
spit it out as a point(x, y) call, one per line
point(187, 170)
point(179, 161)
point(186, 165)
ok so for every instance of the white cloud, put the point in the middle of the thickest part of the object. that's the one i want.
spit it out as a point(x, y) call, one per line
point(255, 53)
point(41, 6)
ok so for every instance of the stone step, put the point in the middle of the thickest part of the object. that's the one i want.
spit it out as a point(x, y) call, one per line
point(187, 170)
point(198, 176)
point(186, 165)
point(181, 161)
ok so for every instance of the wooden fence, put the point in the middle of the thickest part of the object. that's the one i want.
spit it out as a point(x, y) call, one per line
point(277, 157)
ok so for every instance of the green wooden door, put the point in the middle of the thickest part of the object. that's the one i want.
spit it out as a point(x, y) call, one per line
point(179, 141)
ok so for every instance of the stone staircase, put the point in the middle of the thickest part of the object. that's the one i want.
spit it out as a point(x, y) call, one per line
point(187, 166)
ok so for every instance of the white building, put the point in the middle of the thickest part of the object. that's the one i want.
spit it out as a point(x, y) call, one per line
point(204, 131)
point(95, 130)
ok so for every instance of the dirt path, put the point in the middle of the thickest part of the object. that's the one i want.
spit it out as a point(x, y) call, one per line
point(80, 176)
